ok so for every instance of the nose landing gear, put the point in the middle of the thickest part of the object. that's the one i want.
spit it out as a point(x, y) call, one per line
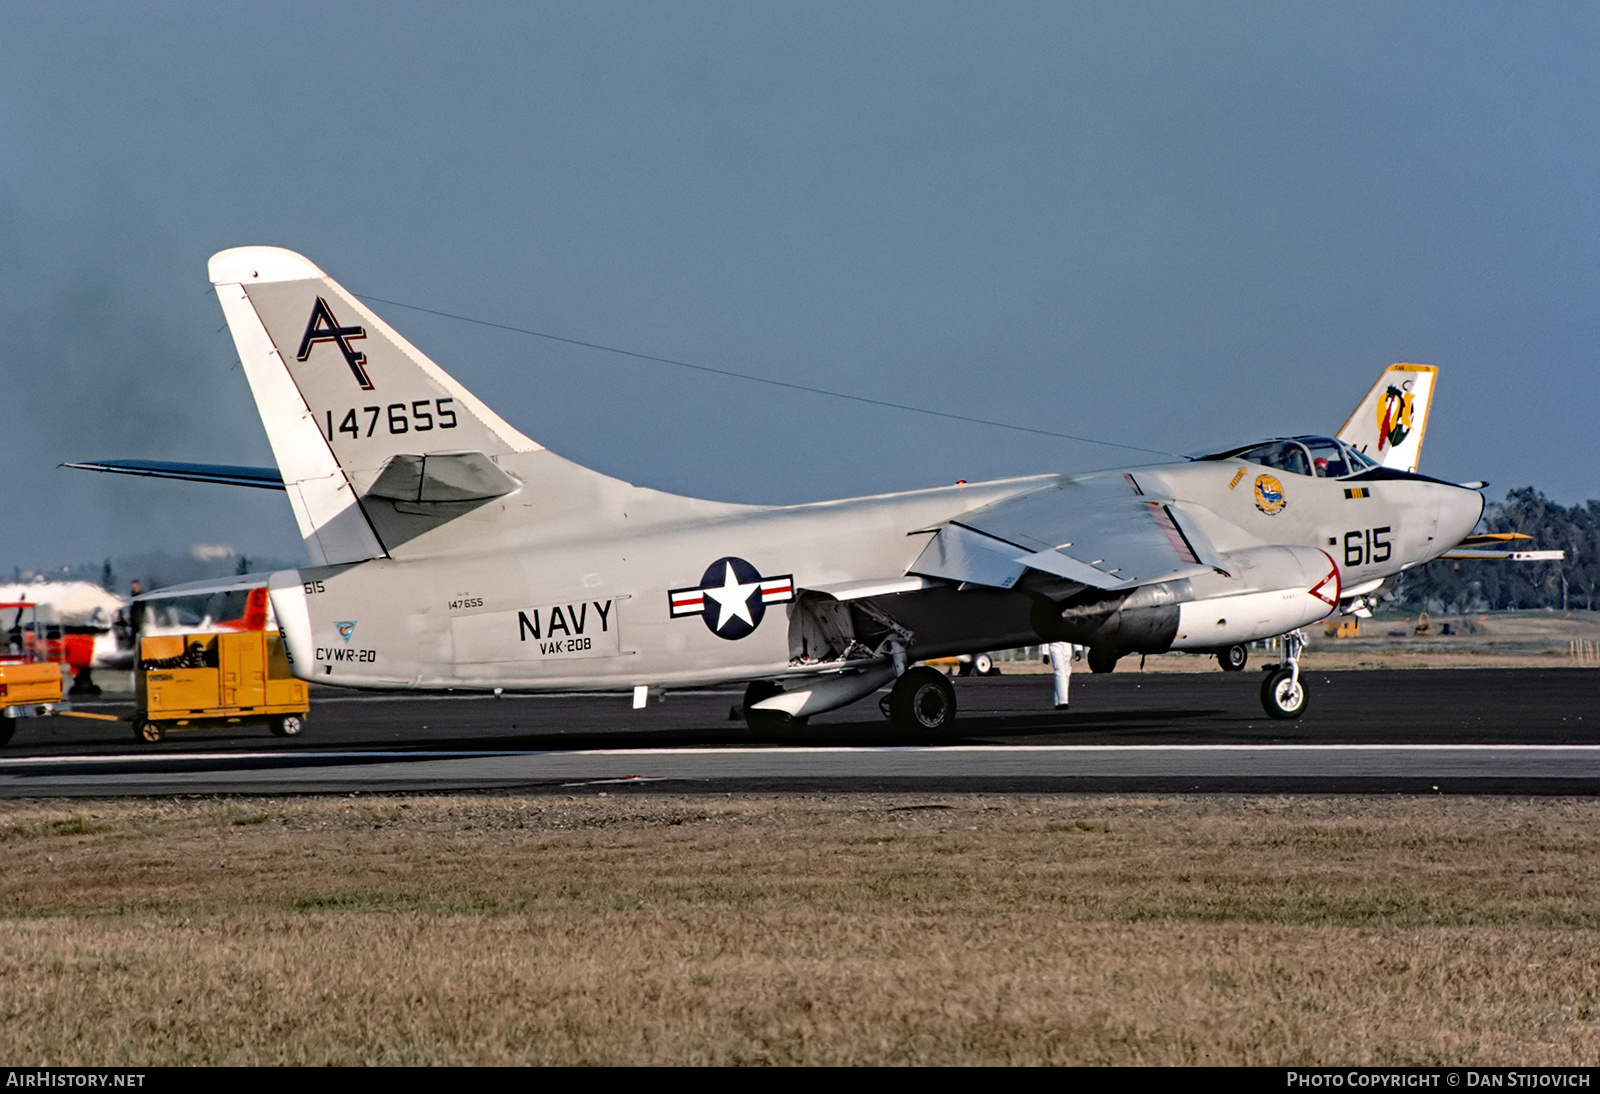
point(1283, 692)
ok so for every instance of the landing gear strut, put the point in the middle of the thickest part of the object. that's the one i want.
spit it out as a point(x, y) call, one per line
point(1283, 692)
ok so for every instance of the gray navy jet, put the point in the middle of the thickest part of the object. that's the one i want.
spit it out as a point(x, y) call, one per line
point(450, 551)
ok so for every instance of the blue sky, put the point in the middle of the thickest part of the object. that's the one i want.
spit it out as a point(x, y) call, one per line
point(1175, 226)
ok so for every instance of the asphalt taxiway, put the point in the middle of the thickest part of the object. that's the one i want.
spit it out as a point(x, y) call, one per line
point(1413, 731)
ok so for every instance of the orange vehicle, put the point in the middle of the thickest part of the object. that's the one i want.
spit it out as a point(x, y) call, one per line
point(32, 657)
point(32, 639)
point(193, 680)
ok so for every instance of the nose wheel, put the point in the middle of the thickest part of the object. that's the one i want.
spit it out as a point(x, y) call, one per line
point(1283, 692)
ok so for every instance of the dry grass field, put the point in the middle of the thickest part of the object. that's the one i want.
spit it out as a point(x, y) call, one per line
point(822, 930)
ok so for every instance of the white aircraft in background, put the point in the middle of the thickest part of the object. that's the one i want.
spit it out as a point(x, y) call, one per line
point(449, 550)
point(78, 620)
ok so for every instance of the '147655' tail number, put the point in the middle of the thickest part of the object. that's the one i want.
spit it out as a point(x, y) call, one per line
point(419, 417)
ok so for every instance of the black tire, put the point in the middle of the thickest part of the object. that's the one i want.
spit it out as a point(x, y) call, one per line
point(922, 702)
point(984, 665)
point(1102, 659)
point(765, 720)
point(148, 732)
point(8, 726)
point(1279, 700)
point(288, 725)
point(1233, 658)
point(966, 668)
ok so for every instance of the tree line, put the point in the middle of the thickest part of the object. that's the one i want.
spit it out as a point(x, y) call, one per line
point(1469, 586)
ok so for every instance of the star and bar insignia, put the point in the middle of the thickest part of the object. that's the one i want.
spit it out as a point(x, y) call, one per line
point(732, 597)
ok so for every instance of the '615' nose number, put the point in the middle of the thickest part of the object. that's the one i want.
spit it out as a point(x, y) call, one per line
point(1367, 546)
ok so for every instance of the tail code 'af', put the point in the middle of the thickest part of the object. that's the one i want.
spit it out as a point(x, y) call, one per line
point(1389, 423)
point(343, 397)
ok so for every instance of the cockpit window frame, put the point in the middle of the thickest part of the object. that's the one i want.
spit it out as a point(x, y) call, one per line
point(1355, 462)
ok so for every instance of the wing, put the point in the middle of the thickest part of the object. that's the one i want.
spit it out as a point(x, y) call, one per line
point(1099, 529)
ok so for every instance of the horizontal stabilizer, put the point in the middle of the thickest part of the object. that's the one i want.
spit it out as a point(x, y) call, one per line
point(262, 478)
point(209, 587)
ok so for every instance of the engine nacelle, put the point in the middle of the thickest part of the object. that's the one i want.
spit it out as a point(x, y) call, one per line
point(1264, 591)
point(1267, 591)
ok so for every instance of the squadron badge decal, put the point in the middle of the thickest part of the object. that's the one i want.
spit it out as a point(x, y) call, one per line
point(1269, 495)
point(732, 597)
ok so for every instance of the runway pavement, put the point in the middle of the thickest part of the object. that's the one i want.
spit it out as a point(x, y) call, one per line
point(1417, 731)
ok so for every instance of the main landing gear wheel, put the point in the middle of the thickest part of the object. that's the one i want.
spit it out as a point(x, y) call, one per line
point(1283, 694)
point(288, 725)
point(1102, 659)
point(148, 732)
point(1232, 658)
point(923, 701)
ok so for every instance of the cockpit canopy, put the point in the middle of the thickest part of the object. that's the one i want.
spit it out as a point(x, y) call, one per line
point(1322, 457)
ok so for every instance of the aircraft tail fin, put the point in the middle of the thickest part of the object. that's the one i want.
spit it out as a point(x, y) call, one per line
point(1388, 425)
point(351, 408)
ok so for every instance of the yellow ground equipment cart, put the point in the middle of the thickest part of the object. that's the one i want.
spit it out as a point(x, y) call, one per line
point(30, 678)
point(191, 680)
point(26, 691)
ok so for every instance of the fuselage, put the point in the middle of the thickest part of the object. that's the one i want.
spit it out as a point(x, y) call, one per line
point(626, 587)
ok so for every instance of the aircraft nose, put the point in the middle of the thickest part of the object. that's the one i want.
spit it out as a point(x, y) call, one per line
point(1459, 510)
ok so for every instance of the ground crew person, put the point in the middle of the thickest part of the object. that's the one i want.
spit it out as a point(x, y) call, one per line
point(1060, 654)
